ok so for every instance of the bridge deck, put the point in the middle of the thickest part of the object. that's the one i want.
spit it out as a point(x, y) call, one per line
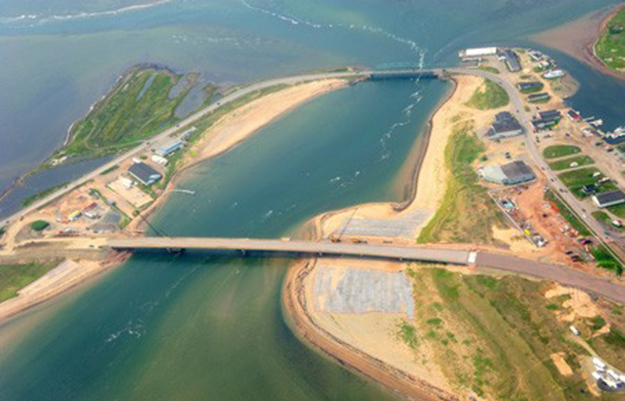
point(306, 247)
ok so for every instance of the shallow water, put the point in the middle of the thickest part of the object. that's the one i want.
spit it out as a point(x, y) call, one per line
point(198, 327)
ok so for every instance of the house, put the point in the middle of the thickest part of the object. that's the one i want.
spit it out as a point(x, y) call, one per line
point(169, 148)
point(538, 97)
point(549, 115)
point(508, 174)
point(608, 199)
point(504, 126)
point(511, 59)
point(589, 189)
point(144, 173)
point(529, 86)
point(574, 116)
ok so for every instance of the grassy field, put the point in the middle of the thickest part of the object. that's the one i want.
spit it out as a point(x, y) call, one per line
point(467, 214)
point(576, 179)
point(137, 108)
point(606, 219)
point(606, 260)
point(488, 96)
point(489, 69)
point(39, 225)
point(569, 216)
point(582, 160)
point(29, 200)
point(555, 151)
point(610, 48)
point(618, 210)
point(17, 276)
point(495, 336)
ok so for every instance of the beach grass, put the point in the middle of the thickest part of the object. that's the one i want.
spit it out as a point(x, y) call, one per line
point(466, 214)
point(610, 47)
point(14, 277)
point(489, 96)
point(564, 164)
point(495, 336)
point(555, 151)
point(137, 108)
point(489, 69)
point(29, 200)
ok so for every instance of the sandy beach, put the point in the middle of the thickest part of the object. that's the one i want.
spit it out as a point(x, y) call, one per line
point(395, 370)
point(430, 176)
point(375, 352)
point(577, 38)
point(229, 131)
point(240, 124)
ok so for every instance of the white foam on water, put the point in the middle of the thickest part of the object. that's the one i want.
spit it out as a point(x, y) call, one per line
point(80, 15)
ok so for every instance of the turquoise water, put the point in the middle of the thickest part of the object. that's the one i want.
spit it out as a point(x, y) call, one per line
point(195, 327)
point(60, 56)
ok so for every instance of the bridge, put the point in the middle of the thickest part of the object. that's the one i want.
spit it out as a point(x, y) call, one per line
point(448, 255)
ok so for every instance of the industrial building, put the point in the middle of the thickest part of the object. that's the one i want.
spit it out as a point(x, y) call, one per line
point(478, 52)
point(144, 173)
point(504, 126)
point(169, 148)
point(509, 174)
point(608, 199)
point(511, 59)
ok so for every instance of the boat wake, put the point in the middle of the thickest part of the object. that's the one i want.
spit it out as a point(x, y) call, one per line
point(376, 30)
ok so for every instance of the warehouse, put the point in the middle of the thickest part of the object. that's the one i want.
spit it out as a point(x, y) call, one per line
point(608, 199)
point(478, 52)
point(538, 97)
point(508, 174)
point(169, 148)
point(511, 59)
point(144, 173)
point(504, 126)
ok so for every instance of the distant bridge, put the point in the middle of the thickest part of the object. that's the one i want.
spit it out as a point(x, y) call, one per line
point(502, 262)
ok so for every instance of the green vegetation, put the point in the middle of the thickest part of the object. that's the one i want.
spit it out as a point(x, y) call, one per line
point(2, 231)
point(610, 47)
point(109, 170)
point(29, 200)
point(618, 210)
point(554, 151)
point(582, 160)
point(467, 213)
point(576, 179)
point(206, 122)
point(605, 260)
point(408, 334)
point(533, 89)
point(568, 215)
point(14, 277)
point(504, 331)
point(39, 225)
point(488, 96)
point(489, 69)
point(138, 107)
point(606, 219)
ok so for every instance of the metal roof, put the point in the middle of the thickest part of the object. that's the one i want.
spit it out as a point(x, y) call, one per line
point(609, 197)
point(143, 172)
point(516, 169)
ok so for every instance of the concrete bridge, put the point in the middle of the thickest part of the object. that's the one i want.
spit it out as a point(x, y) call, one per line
point(448, 255)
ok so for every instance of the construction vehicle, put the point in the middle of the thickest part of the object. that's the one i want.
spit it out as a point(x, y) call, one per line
point(335, 238)
point(357, 240)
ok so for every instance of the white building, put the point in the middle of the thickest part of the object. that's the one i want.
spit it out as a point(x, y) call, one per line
point(478, 52)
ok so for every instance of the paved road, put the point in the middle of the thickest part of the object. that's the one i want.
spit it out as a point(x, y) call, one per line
point(558, 273)
point(525, 119)
point(454, 256)
point(164, 136)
